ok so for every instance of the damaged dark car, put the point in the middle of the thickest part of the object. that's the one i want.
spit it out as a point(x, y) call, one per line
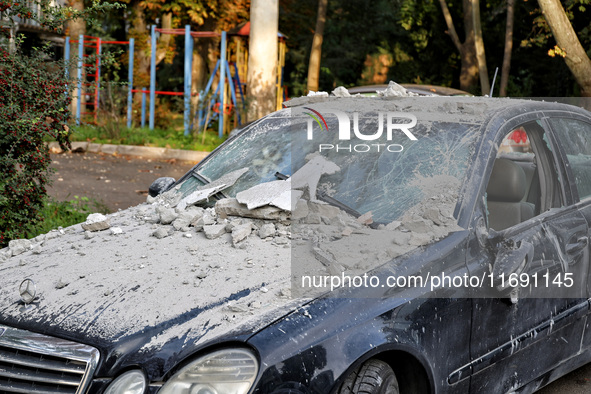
point(340, 245)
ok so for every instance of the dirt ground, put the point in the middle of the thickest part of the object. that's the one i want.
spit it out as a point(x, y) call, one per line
point(118, 182)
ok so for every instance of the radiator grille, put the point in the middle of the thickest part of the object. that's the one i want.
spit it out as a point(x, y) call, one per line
point(37, 364)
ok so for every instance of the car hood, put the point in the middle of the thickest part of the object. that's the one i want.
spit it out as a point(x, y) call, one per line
point(125, 283)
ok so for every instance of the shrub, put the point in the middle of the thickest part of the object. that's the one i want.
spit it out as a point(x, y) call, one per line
point(33, 108)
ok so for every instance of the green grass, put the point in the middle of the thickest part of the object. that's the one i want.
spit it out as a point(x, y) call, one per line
point(66, 213)
point(165, 138)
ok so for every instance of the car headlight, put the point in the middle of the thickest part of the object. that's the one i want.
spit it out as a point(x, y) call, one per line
point(229, 371)
point(130, 382)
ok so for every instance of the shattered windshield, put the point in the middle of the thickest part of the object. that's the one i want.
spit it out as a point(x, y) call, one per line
point(386, 176)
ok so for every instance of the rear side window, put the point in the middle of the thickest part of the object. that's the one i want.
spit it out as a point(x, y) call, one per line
point(575, 136)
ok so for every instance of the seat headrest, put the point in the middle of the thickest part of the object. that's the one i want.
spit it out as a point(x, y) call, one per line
point(507, 182)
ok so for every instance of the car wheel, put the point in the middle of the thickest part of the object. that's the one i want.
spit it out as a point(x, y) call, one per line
point(373, 377)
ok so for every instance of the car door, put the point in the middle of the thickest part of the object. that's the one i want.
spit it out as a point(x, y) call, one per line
point(530, 319)
point(573, 135)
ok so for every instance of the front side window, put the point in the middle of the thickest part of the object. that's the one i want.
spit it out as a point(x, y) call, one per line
point(524, 181)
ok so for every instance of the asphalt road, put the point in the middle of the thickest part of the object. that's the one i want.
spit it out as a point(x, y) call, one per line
point(122, 181)
point(119, 182)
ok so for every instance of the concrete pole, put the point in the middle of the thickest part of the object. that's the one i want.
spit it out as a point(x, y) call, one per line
point(130, 79)
point(153, 77)
point(79, 76)
point(222, 86)
point(262, 59)
point(188, 76)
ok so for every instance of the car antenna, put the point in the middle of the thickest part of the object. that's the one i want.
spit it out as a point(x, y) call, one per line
point(493, 83)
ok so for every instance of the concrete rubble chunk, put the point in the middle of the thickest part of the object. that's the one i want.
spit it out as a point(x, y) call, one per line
point(287, 200)
point(61, 284)
point(395, 90)
point(209, 217)
point(309, 175)
point(231, 207)
point(116, 230)
point(213, 231)
point(167, 215)
point(240, 232)
point(418, 239)
point(5, 253)
point(341, 91)
point(401, 238)
point(199, 196)
point(183, 221)
point(324, 210)
point(19, 246)
point(433, 214)
point(301, 210)
point(95, 222)
point(366, 218)
point(265, 193)
point(281, 241)
point(347, 231)
point(313, 218)
point(393, 225)
point(267, 230)
point(419, 226)
point(202, 194)
point(160, 233)
point(232, 224)
point(54, 234)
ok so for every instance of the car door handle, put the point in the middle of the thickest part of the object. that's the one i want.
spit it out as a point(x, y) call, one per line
point(576, 247)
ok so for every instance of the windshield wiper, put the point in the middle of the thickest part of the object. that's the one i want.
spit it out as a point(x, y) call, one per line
point(322, 196)
point(281, 176)
point(201, 178)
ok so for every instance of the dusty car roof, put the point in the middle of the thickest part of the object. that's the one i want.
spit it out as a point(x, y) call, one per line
point(457, 108)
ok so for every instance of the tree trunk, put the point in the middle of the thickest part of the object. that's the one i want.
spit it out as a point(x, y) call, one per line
point(576, 58)
point(165, 39)
point(262, 59)
point(508, 48)
point(138, 31)
point(76, 27)
point(316, 52)
point(479, 45)
point(467, 49)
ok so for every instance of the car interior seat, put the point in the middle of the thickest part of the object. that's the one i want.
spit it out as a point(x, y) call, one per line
point(506, 192)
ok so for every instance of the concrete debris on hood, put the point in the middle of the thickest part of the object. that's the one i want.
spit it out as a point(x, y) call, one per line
point(96, 222)
point(324, 239)
point(395, 90)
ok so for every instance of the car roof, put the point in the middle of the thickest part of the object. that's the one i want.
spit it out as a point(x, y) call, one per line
point(420, 89)
point(433, 108)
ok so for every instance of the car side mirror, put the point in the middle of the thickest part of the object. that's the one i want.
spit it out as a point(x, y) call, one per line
point(160, 185)
point(511, 259)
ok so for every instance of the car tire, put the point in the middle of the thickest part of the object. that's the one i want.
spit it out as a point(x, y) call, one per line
point(373, 377)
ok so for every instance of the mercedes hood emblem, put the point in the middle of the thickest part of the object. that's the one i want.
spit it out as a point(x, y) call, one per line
point(27, 291)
